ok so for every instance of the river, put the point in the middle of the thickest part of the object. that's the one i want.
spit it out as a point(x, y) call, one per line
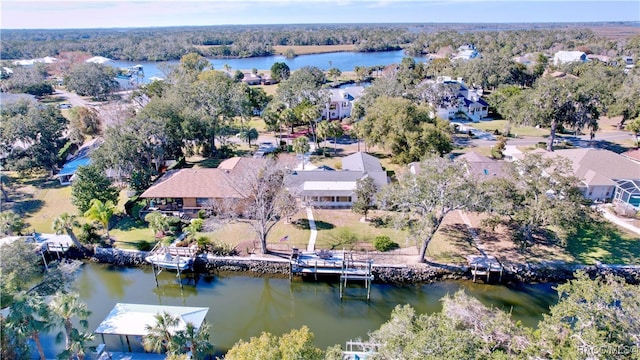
point(241, 306)
point(345, 61)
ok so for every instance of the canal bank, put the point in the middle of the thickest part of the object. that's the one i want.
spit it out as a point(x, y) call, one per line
point(390, 273)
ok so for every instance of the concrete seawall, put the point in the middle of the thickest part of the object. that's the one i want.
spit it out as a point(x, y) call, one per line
point(391, 274)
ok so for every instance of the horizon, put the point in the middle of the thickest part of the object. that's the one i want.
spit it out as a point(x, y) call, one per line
point(140, 14)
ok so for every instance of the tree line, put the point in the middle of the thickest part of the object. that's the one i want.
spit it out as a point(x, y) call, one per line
point(162, 44)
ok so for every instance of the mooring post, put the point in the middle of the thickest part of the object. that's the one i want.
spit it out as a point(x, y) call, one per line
point(155, 275)
point(315, 273)
point(475, 271)
point(179, 273)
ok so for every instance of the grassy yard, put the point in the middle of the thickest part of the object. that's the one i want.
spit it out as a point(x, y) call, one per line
point(338, 229)
point(452, 242)
point(604, 242)
point(242, 234)
point(491, 126)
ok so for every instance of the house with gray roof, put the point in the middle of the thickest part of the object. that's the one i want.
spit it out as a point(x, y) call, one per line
point(604, 175)
point(336, 188)
point(341, 102)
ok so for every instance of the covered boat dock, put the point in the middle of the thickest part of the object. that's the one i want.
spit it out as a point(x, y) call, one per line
point(131, 320)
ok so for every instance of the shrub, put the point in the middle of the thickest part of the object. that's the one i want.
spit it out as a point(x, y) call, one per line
point(89, 234)
point(202, 214)
point(384, 243)
point(196, 225)
point(222, 248)
point(175, 224)
point(144, 245)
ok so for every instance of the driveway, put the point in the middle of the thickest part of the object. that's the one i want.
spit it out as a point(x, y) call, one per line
point(73, 98)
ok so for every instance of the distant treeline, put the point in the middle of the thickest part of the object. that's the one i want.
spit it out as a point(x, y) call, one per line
point(161, 44)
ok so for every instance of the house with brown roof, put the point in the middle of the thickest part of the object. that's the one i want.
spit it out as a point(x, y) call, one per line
point(189, 190)
point(604, 175)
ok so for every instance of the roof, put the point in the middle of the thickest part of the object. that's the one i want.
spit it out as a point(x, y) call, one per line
point(336, 188)
point(598, 166)
point(8, 98)
point(569, 56)
point(98, 60)
point(131, 319)
point(361, 161)
point(200, 182)
point(192, 183)
point(632, 154)
point(70, 167)
point(482, 167)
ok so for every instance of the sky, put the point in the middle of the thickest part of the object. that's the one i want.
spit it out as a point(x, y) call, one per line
point(51, 14)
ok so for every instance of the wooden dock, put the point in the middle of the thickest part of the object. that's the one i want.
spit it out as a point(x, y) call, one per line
point(481, 266)
point(330, 263)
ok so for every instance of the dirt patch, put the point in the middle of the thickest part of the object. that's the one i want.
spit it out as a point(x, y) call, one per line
point(607, 124)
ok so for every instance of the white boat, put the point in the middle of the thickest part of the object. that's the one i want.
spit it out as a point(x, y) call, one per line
point(169, 260)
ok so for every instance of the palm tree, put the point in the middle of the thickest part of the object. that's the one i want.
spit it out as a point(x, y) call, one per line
point(28, 318)
point(331, 129)
point(160, 337)
point(197, 340)
point(158, 222)
point(310, 115)
point(323, 132)
point(66, 307)
point(65, 223)
point(10, 223)
point(101, 212)
point(249, 135)
point(288, 118)
point(301, 146)
point(79, 342)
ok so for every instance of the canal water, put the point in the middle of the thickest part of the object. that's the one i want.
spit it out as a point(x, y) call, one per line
point(345, 61)
point(242, 306)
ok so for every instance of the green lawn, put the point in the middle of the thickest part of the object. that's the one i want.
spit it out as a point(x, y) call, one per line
point(499, 125)
point(338, 229)
point(451, 244)
point(604, 242)
point(235, 233)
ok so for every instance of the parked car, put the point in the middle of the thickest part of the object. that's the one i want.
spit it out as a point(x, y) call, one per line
point(64, 106)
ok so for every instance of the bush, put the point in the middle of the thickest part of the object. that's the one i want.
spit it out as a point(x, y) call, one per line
point(202, 214)
point(144, 245)
point(384, 243)
point(89, 234)
point(175, 224)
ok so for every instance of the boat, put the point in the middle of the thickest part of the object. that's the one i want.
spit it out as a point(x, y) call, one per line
point(172, 258)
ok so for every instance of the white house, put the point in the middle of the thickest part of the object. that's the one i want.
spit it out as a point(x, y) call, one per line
point(563, 57)
point(466, 52)
point(341, 102)
point(604, 175)
point(466, 101)
point(333, 188)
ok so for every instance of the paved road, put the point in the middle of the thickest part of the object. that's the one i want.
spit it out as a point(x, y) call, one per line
point(73, 98)
point(601, 140)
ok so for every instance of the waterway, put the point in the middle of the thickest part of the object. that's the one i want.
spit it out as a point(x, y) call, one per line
point(242, 306)
point(345, 61)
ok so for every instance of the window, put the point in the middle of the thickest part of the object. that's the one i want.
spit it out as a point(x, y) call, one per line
point(326, 198)
point(332, 106)
point(201, 202)
point(344, 199)
point(345, 104)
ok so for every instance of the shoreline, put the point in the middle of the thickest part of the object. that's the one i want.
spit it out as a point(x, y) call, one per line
point(396, 274)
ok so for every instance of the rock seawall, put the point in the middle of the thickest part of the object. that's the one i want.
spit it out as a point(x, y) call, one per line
point(392, 274)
